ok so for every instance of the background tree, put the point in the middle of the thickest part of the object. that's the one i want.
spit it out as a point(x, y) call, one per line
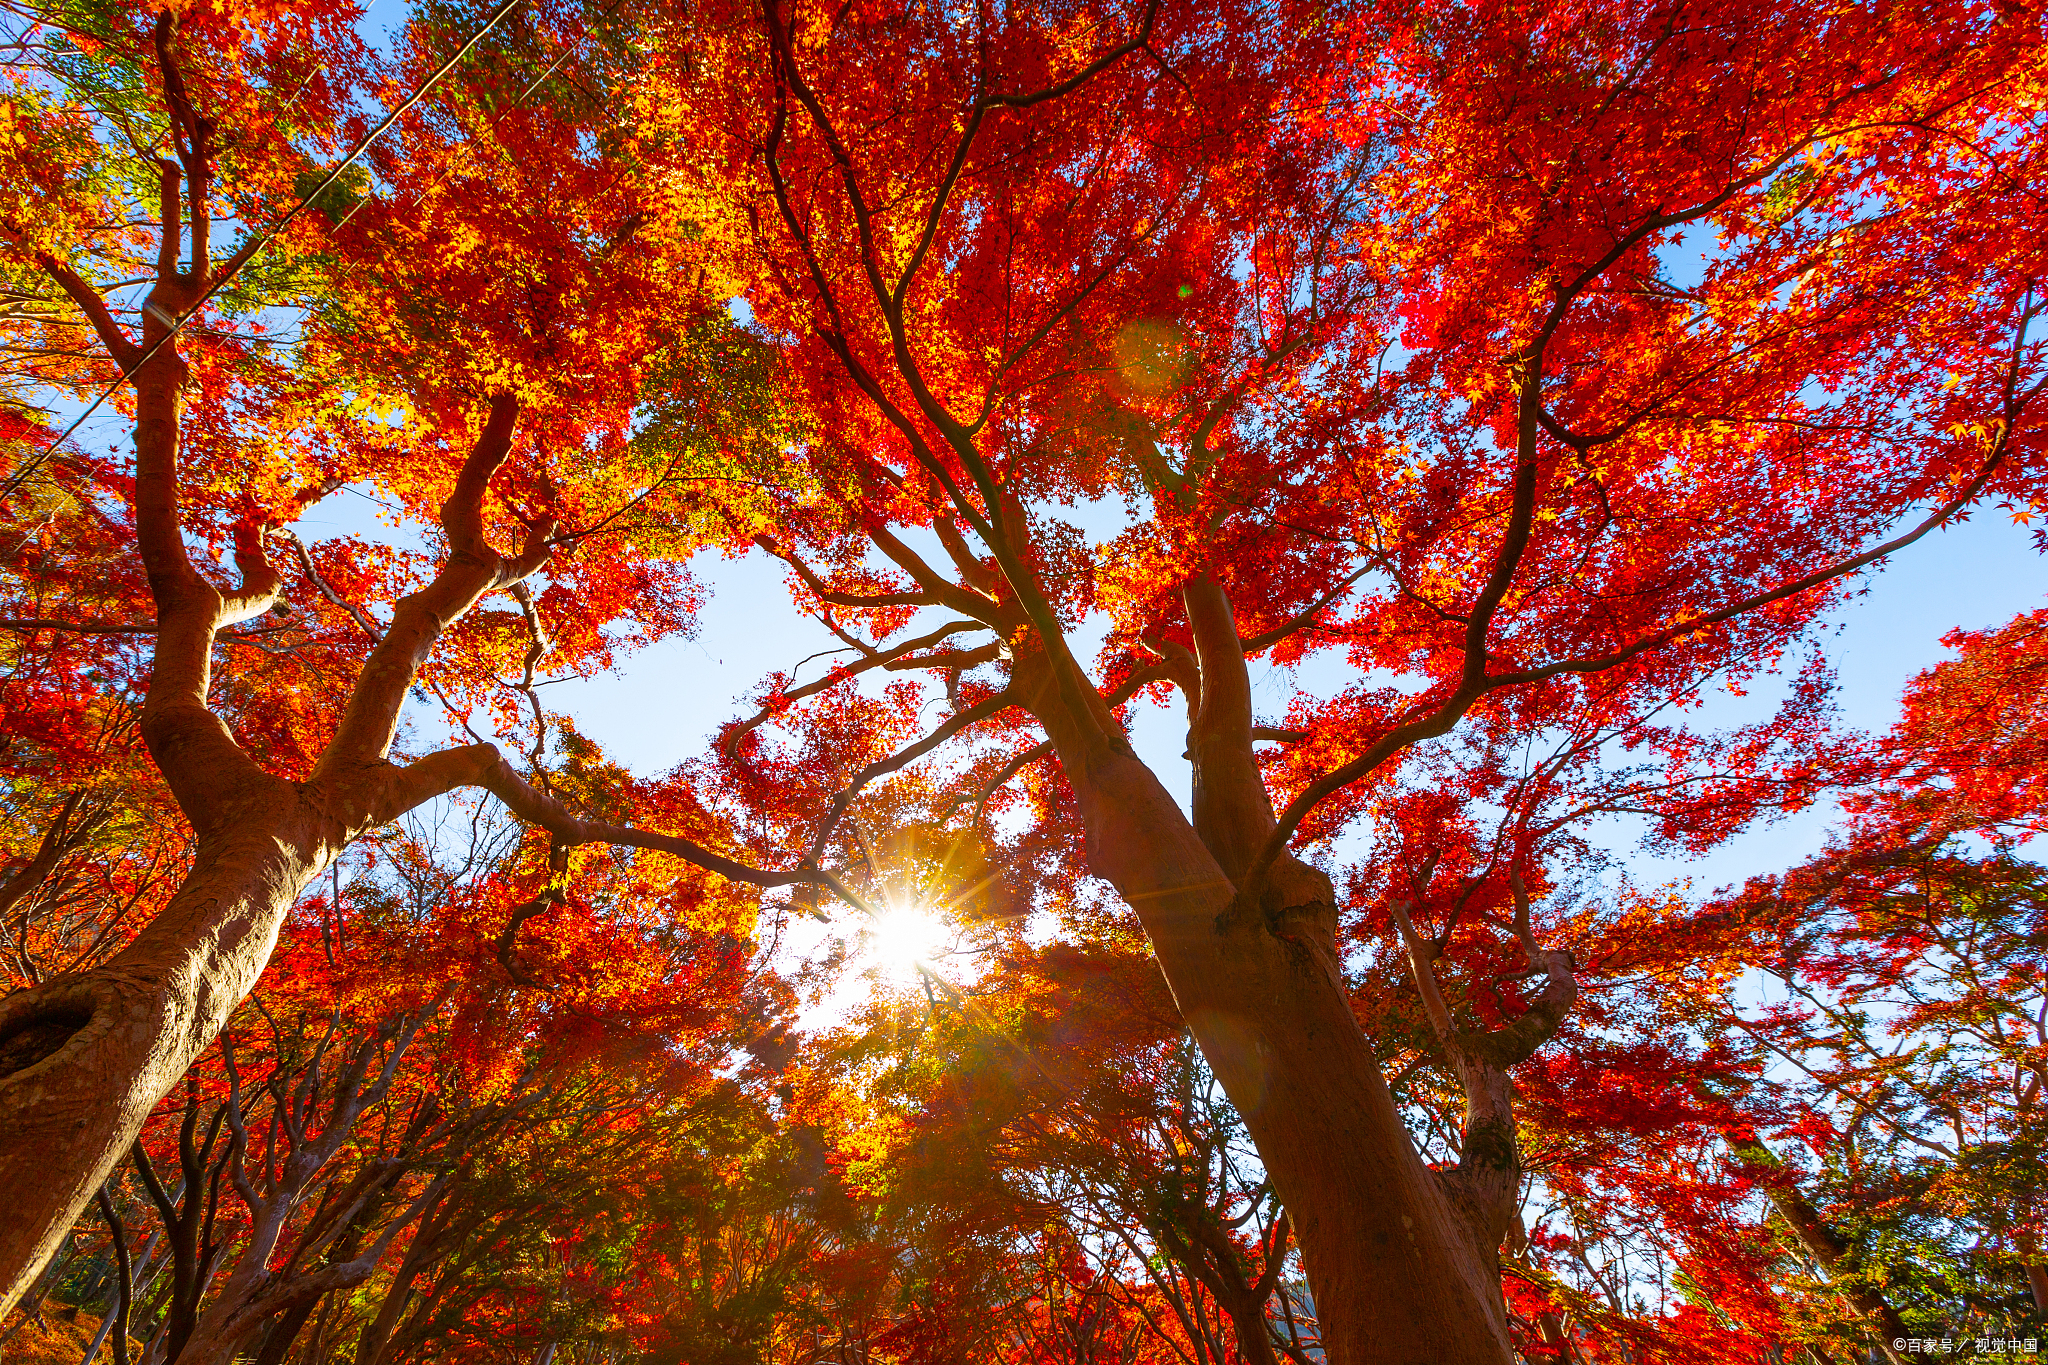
point(1905, 963)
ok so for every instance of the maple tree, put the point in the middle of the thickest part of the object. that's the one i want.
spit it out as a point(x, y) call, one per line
point(1784, 1180)
point(1146, 269)
point(1531, 371)
point(1909, 962)
point(455, 428)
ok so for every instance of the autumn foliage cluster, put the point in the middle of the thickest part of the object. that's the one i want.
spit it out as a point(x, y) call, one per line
point(1461, 421)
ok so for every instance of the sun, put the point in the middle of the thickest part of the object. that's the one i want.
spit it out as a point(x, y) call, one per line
point(899, 939)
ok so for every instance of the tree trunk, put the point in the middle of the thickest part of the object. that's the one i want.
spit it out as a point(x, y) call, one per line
point(92, 1349)
point(1397, 1276)
point(1243, 1304)
point(1551, 1324)
point(1823, 1244)
point(85, 1058)
point(1248, 1322)
point(375, 1341)
point(2036, 1272)
point(118, 1315)
point(284, 1331)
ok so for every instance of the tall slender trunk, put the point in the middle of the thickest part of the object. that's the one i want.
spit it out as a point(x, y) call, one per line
point(1827, 1248)
point(32, 1302)
point(1397, 1272)
point(2035, 1270)
point(99, 1339)
point(125, 1285)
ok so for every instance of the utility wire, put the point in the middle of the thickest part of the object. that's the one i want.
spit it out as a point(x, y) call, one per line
point(568, 50)
point(250, 253)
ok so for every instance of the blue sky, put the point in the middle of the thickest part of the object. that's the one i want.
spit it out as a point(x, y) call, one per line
point(661, 706)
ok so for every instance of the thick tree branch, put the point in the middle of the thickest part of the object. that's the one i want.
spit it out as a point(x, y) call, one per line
point(977, 573)
point(825, 593)
point(1421, 956)
point(169, 215)
point(1278, 735)
point(192, 138)
point(949, 658)
point(1177, 662)
point(260, 583)
point(125, 353)
point(483, 765)
point(1517, 1041)
point(472, 570)
point(966, 601)
point(86, 627)
point(1117, 696)
point(520, 914)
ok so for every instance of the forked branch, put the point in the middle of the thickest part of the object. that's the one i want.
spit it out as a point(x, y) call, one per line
point(824, 592)
point(483, 765)
point(902, 758)
point(471, 570)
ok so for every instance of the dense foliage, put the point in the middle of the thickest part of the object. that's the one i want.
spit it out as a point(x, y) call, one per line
point(1489, 389)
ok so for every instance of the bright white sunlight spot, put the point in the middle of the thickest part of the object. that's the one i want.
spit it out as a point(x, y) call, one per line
point(899, 939)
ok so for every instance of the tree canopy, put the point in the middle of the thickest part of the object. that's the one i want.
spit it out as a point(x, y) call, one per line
point(1438, 410)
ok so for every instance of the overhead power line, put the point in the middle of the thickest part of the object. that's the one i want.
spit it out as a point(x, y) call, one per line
point(270, 234)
